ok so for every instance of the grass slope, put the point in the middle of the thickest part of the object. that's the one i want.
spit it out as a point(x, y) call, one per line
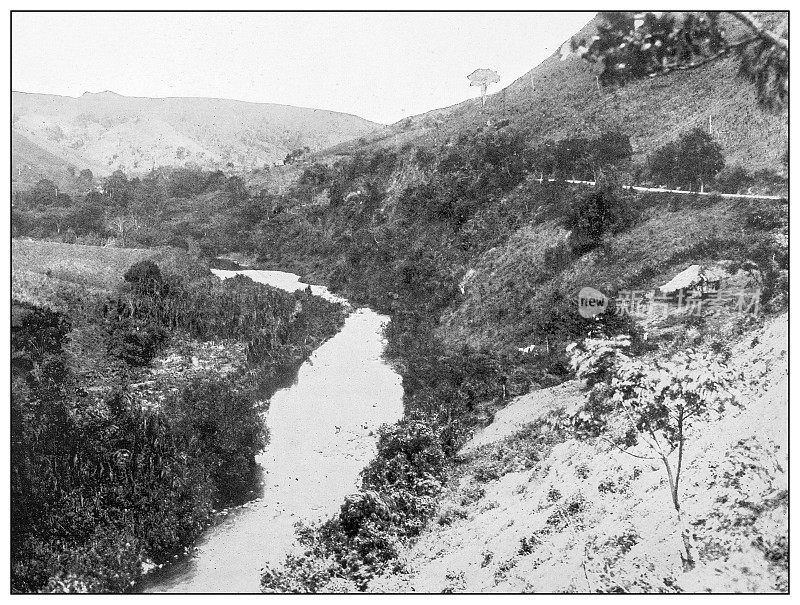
point(511, 284)
point(558, 98)
point(95, 266)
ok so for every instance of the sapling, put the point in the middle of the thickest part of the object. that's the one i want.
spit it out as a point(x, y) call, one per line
point(645, 407)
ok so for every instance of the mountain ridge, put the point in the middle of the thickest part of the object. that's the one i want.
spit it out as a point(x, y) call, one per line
point(106, 131)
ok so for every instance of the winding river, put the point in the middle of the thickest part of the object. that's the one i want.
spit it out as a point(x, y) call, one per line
point(323, 431)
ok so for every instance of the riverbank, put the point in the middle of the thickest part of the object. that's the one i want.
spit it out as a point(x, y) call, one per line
point(323, 432)
point(148, 392)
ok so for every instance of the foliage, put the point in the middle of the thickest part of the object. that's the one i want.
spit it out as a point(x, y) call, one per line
point(222, 429)
point(580, 157)
point(145, 212)
point(632, 46)
point(398, 494)
point(647, 407)
point(734, 179)
point(478, 169)
point(693, 159)
point(146, 277)
point(102, 478)
point(589, 216)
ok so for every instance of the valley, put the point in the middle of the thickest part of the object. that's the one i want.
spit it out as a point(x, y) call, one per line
point(362, 367)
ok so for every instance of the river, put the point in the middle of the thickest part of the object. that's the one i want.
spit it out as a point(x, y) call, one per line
point(323, 432)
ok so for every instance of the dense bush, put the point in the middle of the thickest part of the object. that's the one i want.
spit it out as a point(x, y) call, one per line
point(476, 170)
point(157, 209)
point(100, 479)
point(97, 480)
point(603, 209)
point(734, 179)
point(145, 276)
point(397, 496)
point(222, 429)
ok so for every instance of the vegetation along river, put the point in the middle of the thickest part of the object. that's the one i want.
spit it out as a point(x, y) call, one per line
point(322, 433)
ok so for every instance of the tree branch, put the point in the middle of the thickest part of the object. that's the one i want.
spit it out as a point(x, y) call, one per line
point(700, 62)
point(628, 452)
point(754, 24)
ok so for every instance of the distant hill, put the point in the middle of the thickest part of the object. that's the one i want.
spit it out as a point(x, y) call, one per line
point(106, 131)
point(559, 98)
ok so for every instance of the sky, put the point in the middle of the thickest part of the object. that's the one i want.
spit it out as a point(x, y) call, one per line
point(380, 66)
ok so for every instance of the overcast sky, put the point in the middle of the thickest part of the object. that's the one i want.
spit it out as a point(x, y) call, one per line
point(380, 66)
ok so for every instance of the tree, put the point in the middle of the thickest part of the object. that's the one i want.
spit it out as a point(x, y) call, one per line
point(187, 182)
point(145, 276)
point(236, 189)
point(483, 78)
point(541, 158)
point(632, 46)
point(734, 179)
point(693, 160)
point(44, 193)
point(645, 408)
point(63, 200)
point(149, 197)
point(571, 158)
point(86, 177)
point(117, 188)
point(88, 216)
point(594, 213)
point(122, 225)
point(611, 148)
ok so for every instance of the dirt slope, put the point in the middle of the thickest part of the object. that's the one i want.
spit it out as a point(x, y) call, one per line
point(580, 517)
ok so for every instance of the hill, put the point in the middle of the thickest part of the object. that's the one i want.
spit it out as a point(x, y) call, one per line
point(106, 131)
point(557, 99)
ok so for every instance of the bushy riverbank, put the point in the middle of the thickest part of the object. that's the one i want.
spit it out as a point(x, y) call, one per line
point(116, 459)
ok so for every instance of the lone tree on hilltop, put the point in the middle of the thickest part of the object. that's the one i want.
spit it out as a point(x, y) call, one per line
point(632, 46)
point(483, 78)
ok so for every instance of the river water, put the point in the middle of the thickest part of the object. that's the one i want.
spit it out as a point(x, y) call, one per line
point(323, 432)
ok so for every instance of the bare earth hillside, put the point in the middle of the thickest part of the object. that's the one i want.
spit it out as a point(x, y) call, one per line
point(581, 517)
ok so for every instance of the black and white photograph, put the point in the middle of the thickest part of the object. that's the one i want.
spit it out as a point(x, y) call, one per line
point(416, 302)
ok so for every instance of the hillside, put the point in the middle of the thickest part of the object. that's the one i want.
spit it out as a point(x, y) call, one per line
point(557, 99)
point(440, 222)
point(106, 131)
point(578, 516)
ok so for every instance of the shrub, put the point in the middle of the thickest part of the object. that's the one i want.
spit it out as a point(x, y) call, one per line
point(145, 277)
point(592, 214)
point(134, 341)
point(397, 496)
point(645, 408)
point(734, 179)
point(221, 427)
